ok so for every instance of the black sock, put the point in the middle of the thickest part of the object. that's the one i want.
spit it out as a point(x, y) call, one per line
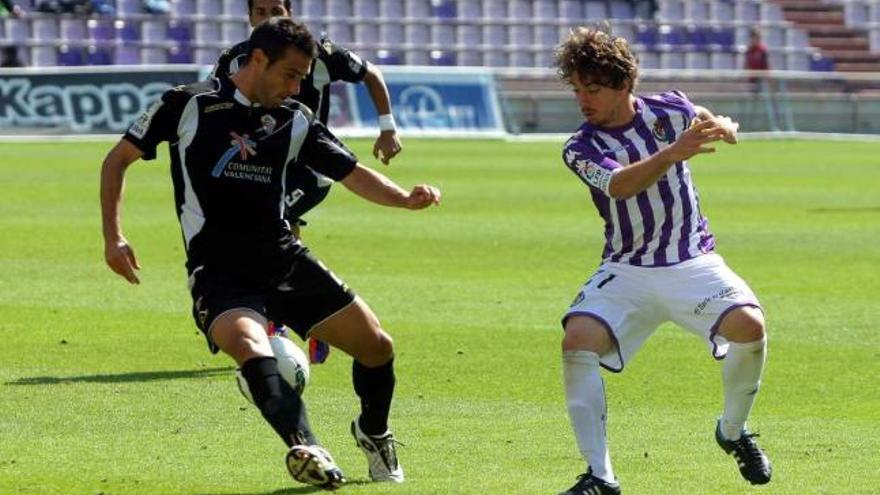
point(375, 387)
point(280, 404)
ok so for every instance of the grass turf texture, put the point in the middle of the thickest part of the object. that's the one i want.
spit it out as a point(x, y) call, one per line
point(107, 388)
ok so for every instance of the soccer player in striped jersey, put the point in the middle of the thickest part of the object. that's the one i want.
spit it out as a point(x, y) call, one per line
point(659, 262)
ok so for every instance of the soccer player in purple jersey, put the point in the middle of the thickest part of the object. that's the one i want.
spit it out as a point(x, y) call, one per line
point(659, 263)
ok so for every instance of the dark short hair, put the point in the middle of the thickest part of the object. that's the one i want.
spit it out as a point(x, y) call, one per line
point(251, 5)
point(597, 57)
point(276, 35)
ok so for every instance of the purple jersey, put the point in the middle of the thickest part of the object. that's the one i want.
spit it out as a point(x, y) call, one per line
point(661, 225)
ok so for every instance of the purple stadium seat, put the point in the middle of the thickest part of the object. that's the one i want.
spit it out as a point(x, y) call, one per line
point(443, 58)
point(311, 9)
point(621, 9)
point(366, 33)
point(723, 60)
point(388, 57)
point(595, 10)
point(647, 35)
point(206, 56)
point(495, 10)
point(179, 32)
point(821, 64)
point(180, 55)
point(521, 9)
point(127, 55)
point(521, 35)
point(127, 32)
point(469, 35)
point(183, 8)
point(70, 56)
point(722, 10)
point(101, 31)
point(417, 57)
point(128, 7)
point(697, 60)
point(469, 9)
point(418, 9)
point(339, 9)
point(522, 58)
point(391, 33)
point(546, 9)
point(340, 31)
point(723, 37)
point(73, 29)
point(97, 55)
point(697, 11)
point(470, 58)
point(443, 34)
point(672, 35)
point(154, 55)
point(444, 9)
point(494, 58)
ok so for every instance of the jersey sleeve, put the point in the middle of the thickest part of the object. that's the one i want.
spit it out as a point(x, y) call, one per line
point(343, 64)
point(326, 154)
point(680, 101)
point(158, 123)
point(589, 164)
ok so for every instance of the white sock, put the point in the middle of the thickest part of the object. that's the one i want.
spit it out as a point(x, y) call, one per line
point(585, 395)
point(741, 376)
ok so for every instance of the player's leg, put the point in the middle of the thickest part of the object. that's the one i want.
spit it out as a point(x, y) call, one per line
point(356, 331)
point(315, 303)
point(708, 298)
point(586, 338)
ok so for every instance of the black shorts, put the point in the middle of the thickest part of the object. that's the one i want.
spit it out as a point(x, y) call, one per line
point(306, 295)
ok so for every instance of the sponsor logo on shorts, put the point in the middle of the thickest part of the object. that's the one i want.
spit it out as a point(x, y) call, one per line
point(724, 293)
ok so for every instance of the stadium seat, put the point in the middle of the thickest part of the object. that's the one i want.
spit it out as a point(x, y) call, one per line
point(97, 55)
point(722, 60)
point(470, 58)
point(494, 58)
point(417, 9)
point(442, 58)
point(211, 8)
point(417, 34)
point(697, 11)
point(648, 59)
point(232, 32)
point(127, 31)
point(366, 9)
point(771, 12)
point(45, 29)
point(101, 31)
point(204, 55)
point(818, 63)
point(181, 54)
point(670, 10)
point(857, 12)
point(388, 57)
point(366, 33)
point(235, 8)
point(621, 9)
point(391, 33)
point(722, 10)
point(154, 55)
point(185, 8)
point(72, 29)
point(697, 60)
point(521, 35)
point(442, 34)
point(126, 55)
point(571, 11)
point(494, 10)
point(595, 10)
point(127, 7)
point(208, 31)
point(43, 56)
point(153, 31)
point(179, 32)
point(748, 11)
point(70, 56)
point(340, 31)
point(521, 58)
point(672, 59)
point(311, 9)
point(546, 9)
point(417, 57)
point(339, 9)
point(444, 9)
point(469, 35)
point(469, 10)
point(521, 10)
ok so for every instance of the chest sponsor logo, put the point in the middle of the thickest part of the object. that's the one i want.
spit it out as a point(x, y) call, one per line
point(242, 147)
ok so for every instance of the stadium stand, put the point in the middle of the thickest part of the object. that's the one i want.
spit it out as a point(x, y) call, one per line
point(817, 35)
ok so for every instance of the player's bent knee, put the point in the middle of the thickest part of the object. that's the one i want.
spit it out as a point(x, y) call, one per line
point(585, 333)
point(376, 350)
point(745, 324)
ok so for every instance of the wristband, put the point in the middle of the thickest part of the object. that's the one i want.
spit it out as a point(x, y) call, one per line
point(386, 122)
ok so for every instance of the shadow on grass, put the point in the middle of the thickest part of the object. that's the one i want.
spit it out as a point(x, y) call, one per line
point(861, 209)
point(145, 376)
point(293, 490)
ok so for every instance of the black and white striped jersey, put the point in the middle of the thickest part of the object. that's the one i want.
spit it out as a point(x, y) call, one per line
point(229, 161)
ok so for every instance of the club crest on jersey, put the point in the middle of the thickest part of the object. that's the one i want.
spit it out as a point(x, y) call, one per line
point(268, 123)
point(661, 131)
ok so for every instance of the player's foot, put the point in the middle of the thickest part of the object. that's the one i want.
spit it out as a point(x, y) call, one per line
point(381, 454)
point(587, 484)
point(753, 464)
point(312, 465)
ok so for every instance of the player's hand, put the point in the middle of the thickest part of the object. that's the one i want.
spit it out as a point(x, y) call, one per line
point(387, 146)
point(730, 128)
point(422, 196)
point(693, 141)
point(121, 259)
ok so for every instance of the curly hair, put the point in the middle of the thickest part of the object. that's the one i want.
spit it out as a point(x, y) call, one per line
point(597, 57)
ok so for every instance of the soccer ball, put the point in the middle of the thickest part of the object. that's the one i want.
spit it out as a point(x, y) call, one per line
point(292, 363)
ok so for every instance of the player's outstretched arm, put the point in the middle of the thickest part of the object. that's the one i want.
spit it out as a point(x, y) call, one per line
point(388, 143)
point(729, 125)
point(377, 188)
point(636, 177)
point(117, 252)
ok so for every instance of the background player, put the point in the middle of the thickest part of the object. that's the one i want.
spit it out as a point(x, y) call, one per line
point(658, 263)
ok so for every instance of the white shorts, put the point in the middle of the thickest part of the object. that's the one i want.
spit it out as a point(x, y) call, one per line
point(632, 301)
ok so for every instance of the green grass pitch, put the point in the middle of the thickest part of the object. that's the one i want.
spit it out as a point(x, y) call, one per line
point(108, 389)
